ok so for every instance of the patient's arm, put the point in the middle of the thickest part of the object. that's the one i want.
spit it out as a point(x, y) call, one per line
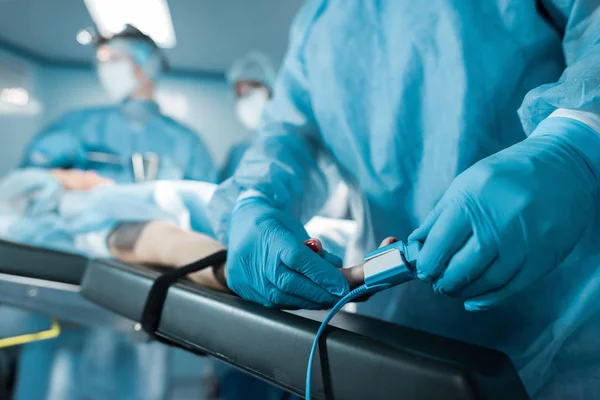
point(164, 244)
point(75, 179)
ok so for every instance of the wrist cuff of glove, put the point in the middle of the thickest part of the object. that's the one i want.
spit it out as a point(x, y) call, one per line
point(578, 135)
point(246, 194)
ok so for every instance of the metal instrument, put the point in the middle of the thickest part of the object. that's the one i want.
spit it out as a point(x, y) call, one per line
point(144, 165)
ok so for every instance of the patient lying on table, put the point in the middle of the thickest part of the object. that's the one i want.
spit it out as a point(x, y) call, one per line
point(156, 223)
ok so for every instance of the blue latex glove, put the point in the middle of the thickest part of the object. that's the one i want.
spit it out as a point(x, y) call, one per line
point(513, 217)
point(269, 263)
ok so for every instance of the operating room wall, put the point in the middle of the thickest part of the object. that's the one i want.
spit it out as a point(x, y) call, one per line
point(17, 125)
point(204, 103)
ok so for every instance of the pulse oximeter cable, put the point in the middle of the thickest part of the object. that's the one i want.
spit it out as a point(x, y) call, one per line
point(385, 267)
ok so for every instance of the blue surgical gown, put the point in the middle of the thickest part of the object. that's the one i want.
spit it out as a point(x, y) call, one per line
point(134, 126)
point(406, 95)
point(233, 159)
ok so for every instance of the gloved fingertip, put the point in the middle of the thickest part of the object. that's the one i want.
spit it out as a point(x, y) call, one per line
point(422, 231)
point(443, 286)
point(473, 306)
point(438, 289)
point(417, 235)
point(332, 259)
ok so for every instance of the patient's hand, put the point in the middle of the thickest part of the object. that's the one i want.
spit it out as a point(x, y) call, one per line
point(75, 179)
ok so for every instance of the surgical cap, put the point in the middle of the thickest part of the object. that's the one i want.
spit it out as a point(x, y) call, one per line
point(143, 53)
point(254, 67)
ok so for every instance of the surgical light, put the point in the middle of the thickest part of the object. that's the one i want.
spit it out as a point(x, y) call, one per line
point(14, 96)
point(152, 17)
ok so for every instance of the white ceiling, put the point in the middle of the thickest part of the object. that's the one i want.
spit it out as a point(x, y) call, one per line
point(211, 34)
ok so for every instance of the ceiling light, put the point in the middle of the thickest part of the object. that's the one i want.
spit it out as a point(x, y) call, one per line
point(84, 37)
point(152, 17)
point(15, 96)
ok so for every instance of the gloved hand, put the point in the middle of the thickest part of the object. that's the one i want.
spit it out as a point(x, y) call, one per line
point(513, 217)
point(269, 263)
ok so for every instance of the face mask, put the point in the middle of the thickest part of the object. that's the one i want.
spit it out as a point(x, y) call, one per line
point(250, 107)
point(118, 78)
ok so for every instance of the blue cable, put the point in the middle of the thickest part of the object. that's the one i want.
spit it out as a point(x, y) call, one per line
point(359, 291)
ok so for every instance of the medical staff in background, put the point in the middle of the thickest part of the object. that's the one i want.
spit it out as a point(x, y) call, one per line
point(471, 126)
point(252, 78)
point(98, 146)
point(132, 140)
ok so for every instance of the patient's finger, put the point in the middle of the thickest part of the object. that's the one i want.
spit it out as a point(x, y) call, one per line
point(387, 241)
point(354, 275)
point(315, 245)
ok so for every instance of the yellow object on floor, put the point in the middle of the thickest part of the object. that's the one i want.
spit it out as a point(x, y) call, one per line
point(18, 340)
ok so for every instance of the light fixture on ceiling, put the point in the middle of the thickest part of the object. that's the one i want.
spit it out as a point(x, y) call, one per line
point(16, 101)
point(84, 37)
point(152, 17)
point(15, 96)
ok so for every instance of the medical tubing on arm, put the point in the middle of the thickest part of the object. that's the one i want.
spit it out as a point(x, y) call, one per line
point(358, 292)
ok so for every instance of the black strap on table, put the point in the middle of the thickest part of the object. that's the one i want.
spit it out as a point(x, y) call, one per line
point(158, 293)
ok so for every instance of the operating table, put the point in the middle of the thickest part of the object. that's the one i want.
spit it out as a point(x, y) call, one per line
point(359, 357)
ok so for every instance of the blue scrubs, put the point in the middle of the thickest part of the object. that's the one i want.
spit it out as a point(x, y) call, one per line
point(408, 94)
point(133, 127)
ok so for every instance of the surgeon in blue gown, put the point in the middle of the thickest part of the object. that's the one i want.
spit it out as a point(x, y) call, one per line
point(105, 139)
point(472, 126)
point(91, 363)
